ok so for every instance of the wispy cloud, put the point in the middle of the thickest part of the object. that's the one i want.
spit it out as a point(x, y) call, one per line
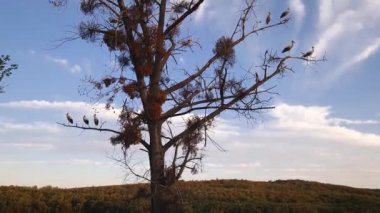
point(28, 127)
point(346, 32)
point(66, 106)
point(79, 162)
point(317, 122)
point(30, 146)
point(299, 9)
point(64, 63)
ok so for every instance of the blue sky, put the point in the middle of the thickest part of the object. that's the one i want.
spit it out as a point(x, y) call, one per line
point(325, 127)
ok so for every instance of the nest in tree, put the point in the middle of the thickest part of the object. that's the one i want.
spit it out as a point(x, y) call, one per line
point(89, 31)
point(130, 89)
point(122, 80)
point(145, 70)
point(115, 40)
point(124, 61)
point(89, 6)
point(160, 97)
point(131, 135)
point(108, 81)
point(180, 7)
point(224, 48)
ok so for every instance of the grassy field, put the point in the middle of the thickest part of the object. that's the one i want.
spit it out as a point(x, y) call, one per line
point(196, 196)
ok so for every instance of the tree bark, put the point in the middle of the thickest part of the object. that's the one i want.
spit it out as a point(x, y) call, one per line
point(157, 169)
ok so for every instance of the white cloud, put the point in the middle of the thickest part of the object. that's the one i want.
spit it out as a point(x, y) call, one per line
point(35, 146)
point(361, 56)
point(22, 162)
point(200, 13)
point(75, 69)
point(340, 121)
point(80, 162)
point(28, 127)
point(66, 106)
point(325, 12)
point(60, 61)
point(43, 104)
point(316, 122)
point(347, 32)
point(234, 165)
point(299, 9)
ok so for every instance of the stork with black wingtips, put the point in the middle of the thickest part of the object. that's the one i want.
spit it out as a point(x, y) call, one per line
point(285, 13)
point(308, 53)
point(96, 120)
point(69, 118)
point(289, 47)
point(268, 19)
point(85, 120)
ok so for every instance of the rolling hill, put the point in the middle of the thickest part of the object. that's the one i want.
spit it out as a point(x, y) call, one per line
point(196, 196)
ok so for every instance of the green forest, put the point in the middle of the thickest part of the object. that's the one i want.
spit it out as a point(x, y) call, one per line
point(195, 196)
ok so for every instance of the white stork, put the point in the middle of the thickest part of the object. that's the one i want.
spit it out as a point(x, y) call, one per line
point(85, 120)
point(308, 53)
point(289, 47)
point(96, 120)
point(69, 118)
point(285, 13)
point(267, 21)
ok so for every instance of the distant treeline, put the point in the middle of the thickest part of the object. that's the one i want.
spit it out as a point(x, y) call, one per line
point(195, 196)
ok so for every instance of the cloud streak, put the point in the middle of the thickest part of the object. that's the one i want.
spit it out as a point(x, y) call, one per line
point(64, 63)
point(340, 25)
point(66, 106)
point(28, 127)
point(316, 122)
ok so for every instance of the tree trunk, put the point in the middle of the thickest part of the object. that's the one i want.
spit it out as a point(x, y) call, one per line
point(157, 169)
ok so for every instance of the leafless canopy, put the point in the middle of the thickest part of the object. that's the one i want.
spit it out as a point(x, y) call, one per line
point(146, 38)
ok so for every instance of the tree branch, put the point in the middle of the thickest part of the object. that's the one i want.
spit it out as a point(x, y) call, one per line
point(100, 129)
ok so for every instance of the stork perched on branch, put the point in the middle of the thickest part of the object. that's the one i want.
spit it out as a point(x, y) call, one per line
point(308, 53)
point(289, 47)
point(69, 118)
point(96, 120)
point(268, 19)
point(85, 120)
point(285, 13)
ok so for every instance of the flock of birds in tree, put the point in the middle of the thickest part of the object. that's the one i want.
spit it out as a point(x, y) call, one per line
point(267, 21)
point(290, 46)
point(85, 120)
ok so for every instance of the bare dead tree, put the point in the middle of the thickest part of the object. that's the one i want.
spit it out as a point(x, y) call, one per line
point(145, 37)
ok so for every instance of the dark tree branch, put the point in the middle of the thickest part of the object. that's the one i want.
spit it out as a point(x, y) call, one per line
point(100, 129)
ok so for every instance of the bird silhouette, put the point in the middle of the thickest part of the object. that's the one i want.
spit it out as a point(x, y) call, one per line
point(69, 118)
point(308, 53)
point(96, 120)
point(85, 120)
point(285, 13)
point(289, 47)
point(267, 21)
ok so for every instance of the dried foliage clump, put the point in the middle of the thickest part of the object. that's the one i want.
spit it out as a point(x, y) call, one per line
point(145, 70)
point(180, 7)
point(130, 89)
point(115, 40)
point(108, 81)
point(88, 6)
point(89, 31)
point(224, 48)
point(155, 106)
point(124, 61)
point(131, 129)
